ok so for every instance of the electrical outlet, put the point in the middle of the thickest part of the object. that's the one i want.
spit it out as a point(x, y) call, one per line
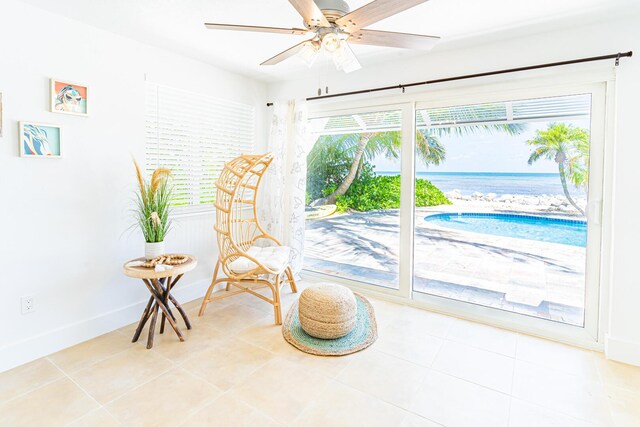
point(27, 304)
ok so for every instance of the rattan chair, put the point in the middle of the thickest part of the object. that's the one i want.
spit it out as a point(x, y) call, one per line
point(249, 257)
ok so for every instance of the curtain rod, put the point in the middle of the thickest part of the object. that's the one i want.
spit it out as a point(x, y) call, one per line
point(615, 56)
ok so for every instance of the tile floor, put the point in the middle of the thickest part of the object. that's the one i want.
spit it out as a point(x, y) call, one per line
point(236, 370)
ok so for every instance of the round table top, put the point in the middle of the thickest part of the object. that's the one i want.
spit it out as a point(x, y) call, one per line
point(150, 273)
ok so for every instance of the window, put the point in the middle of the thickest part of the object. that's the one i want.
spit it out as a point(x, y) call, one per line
point(514, 237)
point(194, 135)
point(469, 202)
point(353, 197)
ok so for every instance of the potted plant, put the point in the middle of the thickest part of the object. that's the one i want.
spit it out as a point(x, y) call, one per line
point(152, 209)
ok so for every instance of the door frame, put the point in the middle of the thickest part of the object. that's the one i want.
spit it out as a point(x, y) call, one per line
point(405, 243)
point(590, 332)
point(601, 83)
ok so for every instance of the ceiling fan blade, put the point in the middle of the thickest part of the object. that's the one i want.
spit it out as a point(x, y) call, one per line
point(391, 39)
point(285, 54)
point(373, 12)
point(311, 13)
point(297, 31)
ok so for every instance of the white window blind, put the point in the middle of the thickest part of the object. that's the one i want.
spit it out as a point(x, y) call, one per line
point(193, 135)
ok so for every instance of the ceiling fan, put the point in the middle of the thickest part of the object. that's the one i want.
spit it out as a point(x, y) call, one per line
point(333, 26)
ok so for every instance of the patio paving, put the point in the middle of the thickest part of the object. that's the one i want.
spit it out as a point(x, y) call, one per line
point(524, 276)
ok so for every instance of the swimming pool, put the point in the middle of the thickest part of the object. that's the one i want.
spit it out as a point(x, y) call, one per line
point(543, 229)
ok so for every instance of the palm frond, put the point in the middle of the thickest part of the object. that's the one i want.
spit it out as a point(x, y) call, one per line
point(429, 149)
point(568, 146)
point(474, 129)
point(539, 153)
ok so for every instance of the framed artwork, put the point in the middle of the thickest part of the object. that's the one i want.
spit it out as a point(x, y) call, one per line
point(40, 140)
point(69, 98)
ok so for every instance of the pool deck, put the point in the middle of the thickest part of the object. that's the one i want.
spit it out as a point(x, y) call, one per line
point(529, 277)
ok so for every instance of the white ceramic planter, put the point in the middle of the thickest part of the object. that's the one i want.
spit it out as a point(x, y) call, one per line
point(153, 250)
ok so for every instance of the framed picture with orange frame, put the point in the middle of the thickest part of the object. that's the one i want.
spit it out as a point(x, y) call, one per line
point(69, 98)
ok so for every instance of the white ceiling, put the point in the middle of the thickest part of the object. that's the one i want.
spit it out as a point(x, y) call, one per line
point(178, 25)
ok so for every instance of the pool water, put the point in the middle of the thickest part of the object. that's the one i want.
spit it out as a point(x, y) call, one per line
point(543, 229)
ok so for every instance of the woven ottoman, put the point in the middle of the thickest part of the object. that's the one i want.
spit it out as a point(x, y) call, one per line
point(327, 311)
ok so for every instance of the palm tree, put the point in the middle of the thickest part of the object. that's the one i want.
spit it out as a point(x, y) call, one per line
point(363, 147)
point(568, 146)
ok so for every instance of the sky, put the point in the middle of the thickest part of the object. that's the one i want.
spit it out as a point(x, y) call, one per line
point(486, 152)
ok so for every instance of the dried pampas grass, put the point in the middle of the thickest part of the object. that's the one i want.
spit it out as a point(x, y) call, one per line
point(140, 179)
point(153, 200)
point(158, 178)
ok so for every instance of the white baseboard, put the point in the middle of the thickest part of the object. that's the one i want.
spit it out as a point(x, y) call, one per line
point(622, 350)
point(19, 353)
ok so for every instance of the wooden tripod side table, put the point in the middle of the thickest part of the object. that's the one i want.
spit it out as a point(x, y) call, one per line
point(160, 284)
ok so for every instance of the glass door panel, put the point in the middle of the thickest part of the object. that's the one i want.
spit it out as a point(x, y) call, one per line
point(511, 232)
point(353, 197)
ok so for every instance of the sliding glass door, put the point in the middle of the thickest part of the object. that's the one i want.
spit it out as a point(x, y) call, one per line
point(485, 206)
point(353, 196)
point(513, 240)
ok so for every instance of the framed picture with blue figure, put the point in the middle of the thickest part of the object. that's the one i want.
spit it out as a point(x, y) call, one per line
point(69, 98)
point(40, 140)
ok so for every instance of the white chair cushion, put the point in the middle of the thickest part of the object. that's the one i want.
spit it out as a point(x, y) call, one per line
point(274, 258)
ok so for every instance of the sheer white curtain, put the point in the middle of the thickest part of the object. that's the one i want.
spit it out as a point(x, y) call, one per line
point(284, 185)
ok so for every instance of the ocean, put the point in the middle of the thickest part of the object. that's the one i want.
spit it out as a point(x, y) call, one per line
point(498, 183)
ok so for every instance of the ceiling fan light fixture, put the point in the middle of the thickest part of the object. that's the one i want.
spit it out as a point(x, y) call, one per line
point(331, 42)
point(330, 24)
point(309, 53)
point(344, 58)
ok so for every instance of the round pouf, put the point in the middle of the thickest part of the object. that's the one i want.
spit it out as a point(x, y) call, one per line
point(327, 311)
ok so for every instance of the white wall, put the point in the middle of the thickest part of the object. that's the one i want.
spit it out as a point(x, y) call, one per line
point(63, 222)
point(608, 35)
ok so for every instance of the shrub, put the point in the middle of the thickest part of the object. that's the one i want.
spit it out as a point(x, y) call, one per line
point(428, 194)
point(372, 192)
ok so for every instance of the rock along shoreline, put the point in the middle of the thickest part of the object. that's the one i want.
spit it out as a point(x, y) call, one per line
point(542, 202)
